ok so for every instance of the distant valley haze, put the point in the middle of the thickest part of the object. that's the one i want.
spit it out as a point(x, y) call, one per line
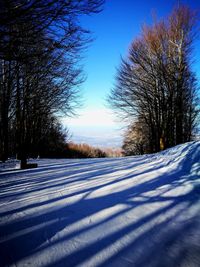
point(96, 127)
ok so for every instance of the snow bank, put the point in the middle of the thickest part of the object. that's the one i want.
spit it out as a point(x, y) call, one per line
point(134, 211)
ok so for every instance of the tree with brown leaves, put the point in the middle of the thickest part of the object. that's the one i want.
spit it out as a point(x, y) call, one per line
point(156, 83)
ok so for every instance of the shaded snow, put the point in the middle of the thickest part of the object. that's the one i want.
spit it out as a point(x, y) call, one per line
point(134, 211)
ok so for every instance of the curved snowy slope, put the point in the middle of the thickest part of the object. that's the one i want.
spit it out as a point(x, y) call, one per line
point(134, 211)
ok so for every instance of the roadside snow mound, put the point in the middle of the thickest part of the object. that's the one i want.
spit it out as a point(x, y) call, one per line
point(134, 211)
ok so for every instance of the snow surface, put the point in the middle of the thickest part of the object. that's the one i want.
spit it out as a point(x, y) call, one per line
point(134, 211)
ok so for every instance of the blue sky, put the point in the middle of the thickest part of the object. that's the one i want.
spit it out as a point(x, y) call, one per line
point(113, 30)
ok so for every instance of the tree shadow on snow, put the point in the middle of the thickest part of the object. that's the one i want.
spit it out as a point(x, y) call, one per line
point(170, 241)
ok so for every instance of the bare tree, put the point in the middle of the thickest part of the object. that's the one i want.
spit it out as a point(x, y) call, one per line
point(156, 83)
point(136, 139)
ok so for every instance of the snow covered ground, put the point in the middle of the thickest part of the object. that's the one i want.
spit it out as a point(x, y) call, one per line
point(134, 211)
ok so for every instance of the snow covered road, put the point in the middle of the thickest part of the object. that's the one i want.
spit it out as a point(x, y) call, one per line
point(134, 211)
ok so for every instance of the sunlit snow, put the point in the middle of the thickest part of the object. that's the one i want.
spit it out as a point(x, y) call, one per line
point(133, 211)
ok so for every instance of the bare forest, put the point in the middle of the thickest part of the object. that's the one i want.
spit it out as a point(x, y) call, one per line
point(41, 46)
point(41, 43)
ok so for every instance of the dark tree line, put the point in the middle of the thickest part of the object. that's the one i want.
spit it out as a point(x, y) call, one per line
point(40, 50)
point(156, 87)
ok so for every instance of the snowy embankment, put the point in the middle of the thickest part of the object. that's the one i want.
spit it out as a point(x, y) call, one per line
point(134, 211)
